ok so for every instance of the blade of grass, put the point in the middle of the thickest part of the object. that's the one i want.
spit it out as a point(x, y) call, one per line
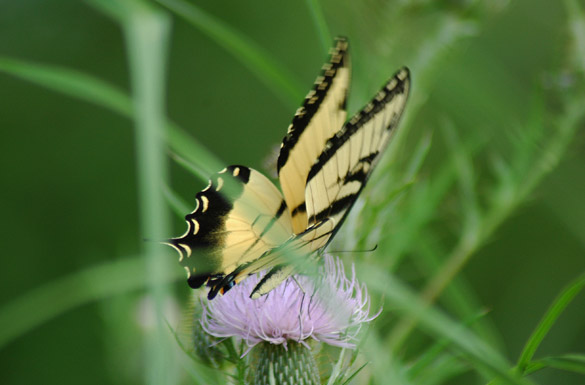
point(444, 368)
point(48, 301)
point(320, 23)
point(547, 321)
point(439, 325)
point(459, 297)
point(577, 25)
point(552, 150)
point(70, 82)
point(336, 371)
point(266, 68)
point(184, 144)
point(147, 32)
point(186, 164)
point(355, 373)
point(569, 362)
point(426, 362)
point(176, 203)
point(93, 90)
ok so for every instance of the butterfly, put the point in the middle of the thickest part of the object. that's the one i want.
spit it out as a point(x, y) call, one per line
point(243, 224)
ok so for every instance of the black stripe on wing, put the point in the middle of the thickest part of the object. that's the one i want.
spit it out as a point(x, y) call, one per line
point(338, 206)
point(313, 100)
point(384, 96)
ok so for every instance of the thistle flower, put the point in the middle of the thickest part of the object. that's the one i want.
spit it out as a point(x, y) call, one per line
point(329, 309)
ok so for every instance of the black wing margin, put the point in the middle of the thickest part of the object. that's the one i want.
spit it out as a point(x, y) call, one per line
point(239, 216)
point(322, 114)
point(341, 171)
point(343, 168)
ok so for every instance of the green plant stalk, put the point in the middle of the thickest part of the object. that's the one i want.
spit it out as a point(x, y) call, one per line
point(474, 237)
point(437, 323)
point(568, 362)
point(96, 91)
point(546, 323)
point(46, 302)
point(266, 68)
point(577, 24)
point(146, 32)
point(70, 82)
point(320, 24)
point(175, 202)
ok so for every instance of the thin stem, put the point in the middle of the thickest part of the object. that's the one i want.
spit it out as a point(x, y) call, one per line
point(147, 33)
point(471, 241)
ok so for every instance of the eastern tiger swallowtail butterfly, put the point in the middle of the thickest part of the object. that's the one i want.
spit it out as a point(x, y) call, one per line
point(243, 224)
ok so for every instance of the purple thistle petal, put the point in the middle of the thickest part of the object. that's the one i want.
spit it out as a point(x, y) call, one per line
point(331, 310)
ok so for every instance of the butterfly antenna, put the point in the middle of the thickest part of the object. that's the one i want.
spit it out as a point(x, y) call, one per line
point(356, 251)
point(162, 241)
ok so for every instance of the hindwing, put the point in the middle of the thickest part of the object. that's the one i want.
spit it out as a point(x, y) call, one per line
point(239, 216)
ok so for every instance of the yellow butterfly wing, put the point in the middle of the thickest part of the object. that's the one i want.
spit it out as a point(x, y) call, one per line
point(243, 224)
point(338, 175)
point(322, 114)
point(348, 158)
point(239, 217)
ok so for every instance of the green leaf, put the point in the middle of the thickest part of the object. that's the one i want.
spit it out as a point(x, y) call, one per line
point(439, 325)
point(320, 23)
point(546, 323)
point(147, 32)
point(443, 368)
point(569, 362)
point(177, 204)
point(48, 301)
point(577, 29)
point(93, 90)
point(70, 82)
point(266, 68)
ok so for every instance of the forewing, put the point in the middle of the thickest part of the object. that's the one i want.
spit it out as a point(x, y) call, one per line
point(239, 217)
point(320, 117)
point(343, 168)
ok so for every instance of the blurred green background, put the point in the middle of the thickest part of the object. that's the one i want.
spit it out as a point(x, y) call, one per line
point(485, 70)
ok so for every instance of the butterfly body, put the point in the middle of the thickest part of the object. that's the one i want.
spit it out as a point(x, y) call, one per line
point(243, 224)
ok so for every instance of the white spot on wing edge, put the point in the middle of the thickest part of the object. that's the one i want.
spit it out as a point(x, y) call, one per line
point(403, 74)
point(390, 86)
point(219, 184)
point(188, 272)
point(205, 202)
point(186, 248)
point(235, 173)
point(195, 226)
